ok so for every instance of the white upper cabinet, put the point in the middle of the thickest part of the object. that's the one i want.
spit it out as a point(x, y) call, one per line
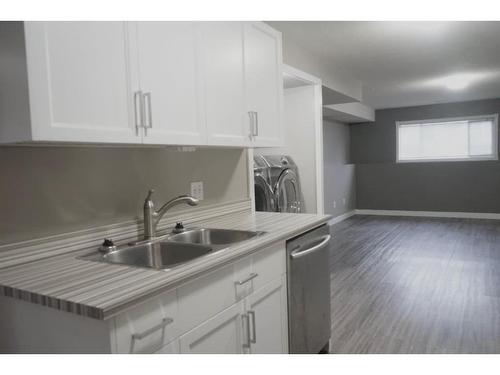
point(221, 50)
point(164, 83)
point(168, 75)
point(79, 83)
point(264, 84)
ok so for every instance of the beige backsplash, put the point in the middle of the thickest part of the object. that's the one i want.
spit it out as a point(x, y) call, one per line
point(52, 190)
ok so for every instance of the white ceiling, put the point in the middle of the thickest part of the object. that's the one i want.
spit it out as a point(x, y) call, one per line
point(407, 63)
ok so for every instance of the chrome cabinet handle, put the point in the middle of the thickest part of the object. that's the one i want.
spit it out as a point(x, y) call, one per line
point(148, 117)
point(300, 253)
point(139, 112)
point(250, 277)
point(246, 320)
point(165, 322)
point(256, 124)
point(140, 336)
point(253, 340)
point(252, 124)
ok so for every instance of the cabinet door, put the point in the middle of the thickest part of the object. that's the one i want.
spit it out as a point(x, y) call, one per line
point(149, 326)
point(172, 348)
point(168, 71)
point(264, 83)
point(222, 59)
point(79, 82)
point(267, 312)
point(221, 334)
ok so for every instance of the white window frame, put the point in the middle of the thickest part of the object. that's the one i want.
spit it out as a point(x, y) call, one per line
point(494, 155)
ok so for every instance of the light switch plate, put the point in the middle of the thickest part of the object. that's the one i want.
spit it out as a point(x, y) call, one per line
point(197, 190)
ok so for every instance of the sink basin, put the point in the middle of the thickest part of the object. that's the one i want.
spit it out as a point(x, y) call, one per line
point(173, 250)
point(159, 255)
point(216, 237)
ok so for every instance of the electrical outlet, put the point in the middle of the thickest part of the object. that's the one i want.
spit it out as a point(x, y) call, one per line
point(197, 190)
point(343, 201)
point(334, 204)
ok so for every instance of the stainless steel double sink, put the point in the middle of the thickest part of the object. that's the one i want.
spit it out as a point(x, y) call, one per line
point(173, 250)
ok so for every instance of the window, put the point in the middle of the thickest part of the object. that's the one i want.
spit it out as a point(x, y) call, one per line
point(467, 138)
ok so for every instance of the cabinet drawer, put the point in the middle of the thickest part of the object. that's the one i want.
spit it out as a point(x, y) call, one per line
point(269, 264)
point(258, 269)
point(206, 296)
point(221, 334)
point(149, 326)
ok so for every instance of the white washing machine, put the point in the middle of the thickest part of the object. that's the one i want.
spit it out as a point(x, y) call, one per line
point(282, 180)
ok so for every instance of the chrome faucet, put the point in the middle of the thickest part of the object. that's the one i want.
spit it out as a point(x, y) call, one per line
point(152, 217)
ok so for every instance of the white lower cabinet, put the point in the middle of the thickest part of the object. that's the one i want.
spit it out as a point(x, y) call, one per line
point(222, 334)
point(257, 324)
point(238, 308)
point(267, 312)
point(149, 326)
point(205, 297)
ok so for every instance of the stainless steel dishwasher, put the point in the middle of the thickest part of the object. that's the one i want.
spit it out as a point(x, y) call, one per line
point(308, 278)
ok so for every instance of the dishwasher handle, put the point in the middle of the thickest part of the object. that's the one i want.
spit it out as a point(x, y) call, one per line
point(300, 251)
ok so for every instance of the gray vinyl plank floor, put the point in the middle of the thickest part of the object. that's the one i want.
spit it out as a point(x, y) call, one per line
point(415, 285)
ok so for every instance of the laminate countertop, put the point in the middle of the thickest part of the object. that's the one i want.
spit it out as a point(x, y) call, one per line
point(102, 290)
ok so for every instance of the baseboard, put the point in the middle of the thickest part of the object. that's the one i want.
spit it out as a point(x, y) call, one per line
point(338, 219)
point(460, 215)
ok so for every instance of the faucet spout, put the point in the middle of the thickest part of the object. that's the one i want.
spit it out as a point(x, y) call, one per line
point(152, 217)
point(174, 202)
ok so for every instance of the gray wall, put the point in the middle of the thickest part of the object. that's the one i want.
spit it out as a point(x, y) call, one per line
point(13, 82)
point(339, 176)
point(382, 184)
point(51, 190)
